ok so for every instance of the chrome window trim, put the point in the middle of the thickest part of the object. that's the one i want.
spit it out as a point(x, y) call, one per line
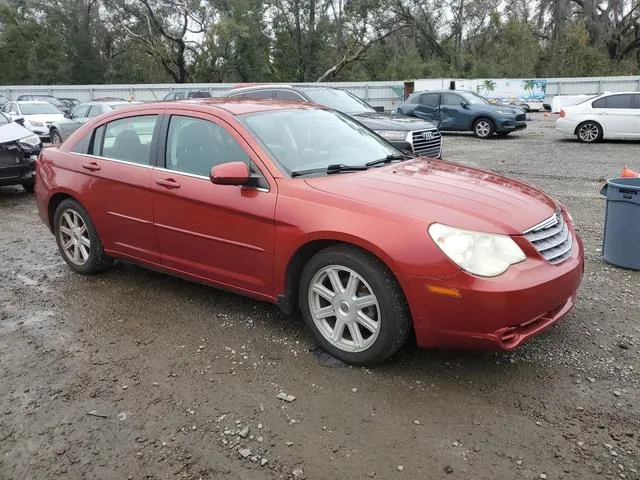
point(126, 162)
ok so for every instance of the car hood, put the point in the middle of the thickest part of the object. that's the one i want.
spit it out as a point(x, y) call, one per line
point(45, 117)
point(11, 132)
point(494, 108)
point(390, 121)
point(445, 192)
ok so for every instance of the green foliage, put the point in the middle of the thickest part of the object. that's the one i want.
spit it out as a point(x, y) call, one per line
point(153, 41)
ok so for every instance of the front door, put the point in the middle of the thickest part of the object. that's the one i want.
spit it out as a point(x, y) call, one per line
point(219, 233)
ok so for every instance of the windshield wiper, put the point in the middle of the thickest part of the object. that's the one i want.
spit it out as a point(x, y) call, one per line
point(396, 157)
point(333, 168)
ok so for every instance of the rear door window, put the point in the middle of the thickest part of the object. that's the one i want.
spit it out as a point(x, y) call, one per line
point(620, 101)
point(128, 139)
point(430, 99)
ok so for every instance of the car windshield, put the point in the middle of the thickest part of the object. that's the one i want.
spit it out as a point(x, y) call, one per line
point(338, 100)
point(4, 120)
point(305, 139)
point(38, 108)
point(472, 98)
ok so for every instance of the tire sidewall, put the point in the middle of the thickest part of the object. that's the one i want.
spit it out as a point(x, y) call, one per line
point(57, 134)
point(96, 252)
point(386, 343)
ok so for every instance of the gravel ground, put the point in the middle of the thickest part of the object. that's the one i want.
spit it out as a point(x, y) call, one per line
point(135, 374)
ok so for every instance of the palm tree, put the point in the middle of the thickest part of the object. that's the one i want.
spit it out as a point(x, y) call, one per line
point(529, 86)
point(488, 86)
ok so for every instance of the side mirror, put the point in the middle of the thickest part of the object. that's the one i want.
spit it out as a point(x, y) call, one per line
point(464, 105)
point(230, 173)
point(19, 120)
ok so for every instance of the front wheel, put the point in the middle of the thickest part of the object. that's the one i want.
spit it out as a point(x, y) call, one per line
point(78, 239)
point(353, 305)
point(589, 132)
point(56, 138)
point(483, 128)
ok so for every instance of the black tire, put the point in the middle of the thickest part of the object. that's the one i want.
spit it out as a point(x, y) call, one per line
point(56, 138)
point(589, 132)
point(483, 128)
point(393, 317)
point(29, 186)
point(97, 260)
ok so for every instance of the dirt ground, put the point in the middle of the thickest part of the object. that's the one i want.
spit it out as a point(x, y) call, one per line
point(135, 374)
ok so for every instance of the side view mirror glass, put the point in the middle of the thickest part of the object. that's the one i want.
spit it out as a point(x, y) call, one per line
point(230, 173)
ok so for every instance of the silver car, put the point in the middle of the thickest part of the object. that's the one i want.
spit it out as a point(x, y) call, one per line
point(59, 131)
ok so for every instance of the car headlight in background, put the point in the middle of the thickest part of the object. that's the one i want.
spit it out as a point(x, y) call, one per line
point(35, 123)
point(392, 135)
point(482, 254)
point(32, 141)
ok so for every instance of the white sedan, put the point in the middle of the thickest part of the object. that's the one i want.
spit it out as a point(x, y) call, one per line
point(38, 116)
point(610, 116)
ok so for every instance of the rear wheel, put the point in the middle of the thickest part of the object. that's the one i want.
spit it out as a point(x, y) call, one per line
point(483, 128)
point(78, 240)
point(56, 138)
point(589, 132)
point(353, 305)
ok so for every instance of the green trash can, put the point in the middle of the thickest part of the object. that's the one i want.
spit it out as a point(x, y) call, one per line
point(621, 243)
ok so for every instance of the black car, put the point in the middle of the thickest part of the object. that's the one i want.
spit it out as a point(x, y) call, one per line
point(187, 94)
point(19, 148)
point(45, 98)
point(406, 133)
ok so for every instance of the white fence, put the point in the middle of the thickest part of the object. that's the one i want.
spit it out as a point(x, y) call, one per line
point(379, 94)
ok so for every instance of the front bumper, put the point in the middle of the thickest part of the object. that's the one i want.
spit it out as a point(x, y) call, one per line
point(18, 173)
point(510, 125)
point(497, 313)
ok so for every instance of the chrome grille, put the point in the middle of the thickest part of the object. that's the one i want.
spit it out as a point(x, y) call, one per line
point(552, 239)
point(427, 143)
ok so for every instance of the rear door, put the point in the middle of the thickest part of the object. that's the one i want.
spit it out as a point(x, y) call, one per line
point(117, 168)
point(219, 233)
point(636, 106)
point(452, 114)
point(429, 107)
point(617, 115)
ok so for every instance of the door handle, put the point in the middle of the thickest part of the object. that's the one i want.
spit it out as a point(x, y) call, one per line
point(167, 182)
point(91, 166)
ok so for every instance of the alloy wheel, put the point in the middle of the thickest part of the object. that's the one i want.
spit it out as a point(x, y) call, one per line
point(483, 128)
point(74, 237)
point(344, 308)
point(589, 132)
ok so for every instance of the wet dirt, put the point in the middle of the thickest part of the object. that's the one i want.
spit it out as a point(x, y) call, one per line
point(135, 374)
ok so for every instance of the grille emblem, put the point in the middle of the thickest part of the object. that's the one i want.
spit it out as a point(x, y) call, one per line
point(427, 135)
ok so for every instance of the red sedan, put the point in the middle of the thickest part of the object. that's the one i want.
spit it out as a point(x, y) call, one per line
point(306, 208)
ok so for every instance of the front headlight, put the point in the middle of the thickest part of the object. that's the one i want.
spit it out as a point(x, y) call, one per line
point(392, 135)
point(505, 112)
point(32, 141)
point(35, 123)
point(482, 254)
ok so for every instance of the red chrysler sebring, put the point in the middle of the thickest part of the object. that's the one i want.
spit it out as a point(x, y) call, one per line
point(306, 208)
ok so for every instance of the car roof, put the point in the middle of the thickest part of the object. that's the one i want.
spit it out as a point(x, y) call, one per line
point(279, 86)
point(234, 106)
